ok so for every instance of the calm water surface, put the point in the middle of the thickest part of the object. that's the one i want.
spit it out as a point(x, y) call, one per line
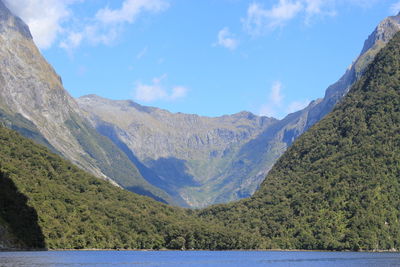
point(195, 258)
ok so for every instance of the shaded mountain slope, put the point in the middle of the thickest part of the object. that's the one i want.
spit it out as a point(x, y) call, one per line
point(338, 186)
point(19, 228)
point(34, 102)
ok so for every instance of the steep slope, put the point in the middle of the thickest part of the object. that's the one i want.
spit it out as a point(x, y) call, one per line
point(34, 102)
point(383, 33)
point(46, 201)
point(216, 160)
point(338, 186)
point(186, 155)
point(272, 143)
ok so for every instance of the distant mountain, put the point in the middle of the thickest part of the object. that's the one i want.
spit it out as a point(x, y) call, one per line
point(215, 160)
point(338, 185)
point(185, 155)
point(34, 102)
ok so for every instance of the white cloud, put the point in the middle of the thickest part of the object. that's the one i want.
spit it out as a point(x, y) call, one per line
point(101, 34)
point(129, 11)
point(47, 20)
point(108, 24)
point(178, 92)
point(275, 107)
point(157, 91)
point(227, 39)
point(149, 93)
point(72, 41)
point(260, 20)
point(314, 6)
point(395, 8)
point(44, 18)
point(297, 105)
point(142, 53)
point(276, 96)
point(267, 110)
point(272, 107)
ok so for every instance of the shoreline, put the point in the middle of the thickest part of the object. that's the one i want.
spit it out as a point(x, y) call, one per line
point(190, 250)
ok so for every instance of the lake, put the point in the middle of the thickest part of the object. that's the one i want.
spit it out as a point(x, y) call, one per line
point(196, 258)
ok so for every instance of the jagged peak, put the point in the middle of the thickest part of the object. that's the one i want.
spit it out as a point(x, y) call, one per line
point(385, 30)
point(9, 21)
point(244, 113)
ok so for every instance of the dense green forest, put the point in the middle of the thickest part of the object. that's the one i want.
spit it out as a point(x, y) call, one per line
point(338, 186)
point(48, 202)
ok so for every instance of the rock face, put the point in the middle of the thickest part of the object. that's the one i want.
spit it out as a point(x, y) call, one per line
point(375, 42)
point(34, 102)
point(215, 160)
point(185, 155)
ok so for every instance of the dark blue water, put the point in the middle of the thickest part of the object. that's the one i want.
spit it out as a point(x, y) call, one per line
point(195, 258)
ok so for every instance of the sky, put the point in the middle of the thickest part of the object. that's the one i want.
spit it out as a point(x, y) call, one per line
point(206, 57)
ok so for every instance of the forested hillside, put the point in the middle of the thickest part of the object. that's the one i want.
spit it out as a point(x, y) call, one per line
point(46, 202)
point(338, 186)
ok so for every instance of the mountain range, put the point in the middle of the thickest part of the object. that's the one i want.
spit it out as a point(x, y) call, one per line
point(336, 188)
point(180, 159)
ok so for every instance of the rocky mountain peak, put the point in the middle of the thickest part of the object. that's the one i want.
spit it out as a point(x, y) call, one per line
point(383, 32)
point(245, 114)
point(9, 22)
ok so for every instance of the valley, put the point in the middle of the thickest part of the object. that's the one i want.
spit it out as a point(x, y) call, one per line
point(96, 173)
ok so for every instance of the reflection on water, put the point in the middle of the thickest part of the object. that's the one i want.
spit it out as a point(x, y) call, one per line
point(195, 258)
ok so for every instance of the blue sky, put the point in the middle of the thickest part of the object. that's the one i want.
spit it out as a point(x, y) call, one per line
point(208, 57)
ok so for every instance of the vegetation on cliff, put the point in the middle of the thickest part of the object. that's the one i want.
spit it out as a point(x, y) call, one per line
point(338, 186)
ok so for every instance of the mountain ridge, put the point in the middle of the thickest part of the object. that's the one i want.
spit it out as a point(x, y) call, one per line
point(239, 172)
point(151, 136)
